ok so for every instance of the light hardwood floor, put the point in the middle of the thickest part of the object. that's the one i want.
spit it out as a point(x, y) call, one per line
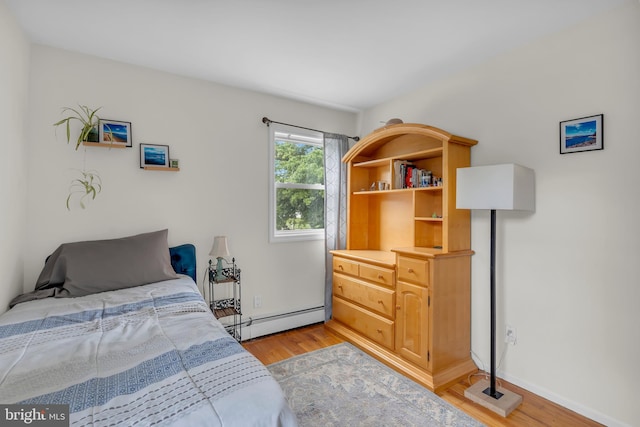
point(534, 411)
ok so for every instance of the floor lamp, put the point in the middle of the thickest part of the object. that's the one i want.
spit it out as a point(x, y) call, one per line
point(497, 187)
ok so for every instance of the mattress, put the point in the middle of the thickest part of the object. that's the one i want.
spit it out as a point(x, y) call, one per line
point(147, 355)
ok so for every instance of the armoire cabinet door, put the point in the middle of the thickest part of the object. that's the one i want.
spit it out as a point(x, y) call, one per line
point(412, 323)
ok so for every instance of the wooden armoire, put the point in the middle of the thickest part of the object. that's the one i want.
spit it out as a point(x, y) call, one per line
point(401, 289)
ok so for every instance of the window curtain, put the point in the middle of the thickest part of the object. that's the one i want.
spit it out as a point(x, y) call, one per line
point(335, 207)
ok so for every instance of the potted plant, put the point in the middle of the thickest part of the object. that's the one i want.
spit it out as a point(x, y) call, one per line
point(89, 184)
point(89, 120)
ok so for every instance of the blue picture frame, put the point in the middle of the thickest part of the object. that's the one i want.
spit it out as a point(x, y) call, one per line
point(154, 155)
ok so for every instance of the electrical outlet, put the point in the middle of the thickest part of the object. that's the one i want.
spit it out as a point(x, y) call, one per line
point(257, 301)
point(511, 335)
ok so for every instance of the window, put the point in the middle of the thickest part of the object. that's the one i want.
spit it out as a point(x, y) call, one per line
point(297, 184)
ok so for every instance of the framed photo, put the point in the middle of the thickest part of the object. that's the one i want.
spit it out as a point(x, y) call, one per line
point(584, 134)
point(115, 132)
point(154, 155)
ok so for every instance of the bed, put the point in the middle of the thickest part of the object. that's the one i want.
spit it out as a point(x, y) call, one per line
point(139, 354)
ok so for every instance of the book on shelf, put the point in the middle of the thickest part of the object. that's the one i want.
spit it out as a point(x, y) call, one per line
point(408, 175)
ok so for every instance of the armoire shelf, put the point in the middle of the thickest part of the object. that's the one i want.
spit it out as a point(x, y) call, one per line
point(424, 154)
point(397, 190)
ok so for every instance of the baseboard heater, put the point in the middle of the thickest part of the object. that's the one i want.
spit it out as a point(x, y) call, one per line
point(271, 324)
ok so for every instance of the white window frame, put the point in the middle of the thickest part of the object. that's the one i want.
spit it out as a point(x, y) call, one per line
point(295, 135)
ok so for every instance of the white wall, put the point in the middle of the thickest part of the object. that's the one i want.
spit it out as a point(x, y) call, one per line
point(568, 274)
point(14, 74)
point(221, 189)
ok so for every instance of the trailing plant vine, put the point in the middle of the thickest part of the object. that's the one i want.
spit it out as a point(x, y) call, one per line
point(89, 185)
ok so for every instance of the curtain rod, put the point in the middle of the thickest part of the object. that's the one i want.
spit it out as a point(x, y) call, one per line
point(267, 122)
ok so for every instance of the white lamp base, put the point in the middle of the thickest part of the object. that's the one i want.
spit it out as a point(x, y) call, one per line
point(503, 406)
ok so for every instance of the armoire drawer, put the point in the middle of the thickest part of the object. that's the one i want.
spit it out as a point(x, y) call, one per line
point(384, 276)
point(346, 266)
point(413, 270)
point(376, 298)
point(374, 327)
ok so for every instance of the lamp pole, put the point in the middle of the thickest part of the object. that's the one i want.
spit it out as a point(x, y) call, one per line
point(491, 391)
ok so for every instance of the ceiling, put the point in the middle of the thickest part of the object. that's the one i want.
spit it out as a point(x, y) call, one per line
point(346, 54)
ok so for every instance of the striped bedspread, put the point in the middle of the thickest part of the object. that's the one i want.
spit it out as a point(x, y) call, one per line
point(150, 355)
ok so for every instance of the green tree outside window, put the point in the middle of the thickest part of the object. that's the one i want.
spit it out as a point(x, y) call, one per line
point(299, 181)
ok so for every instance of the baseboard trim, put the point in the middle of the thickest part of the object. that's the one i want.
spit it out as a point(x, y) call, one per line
point(555, 398)
point(566, 403)
point(260, 326)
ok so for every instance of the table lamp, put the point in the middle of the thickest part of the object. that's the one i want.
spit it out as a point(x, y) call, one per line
point(220, 250)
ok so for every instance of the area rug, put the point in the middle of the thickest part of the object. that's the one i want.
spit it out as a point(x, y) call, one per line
point(342, 386)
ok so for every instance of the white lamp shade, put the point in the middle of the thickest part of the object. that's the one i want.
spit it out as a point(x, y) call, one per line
point(220, 248)
point(499, 187)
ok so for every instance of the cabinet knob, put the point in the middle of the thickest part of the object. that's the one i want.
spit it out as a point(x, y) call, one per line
point(380, 276)
point(339, 286)
point(340, 267)
point(410, 270)
point(379, 331)
point(397, 307)
point(380, 302)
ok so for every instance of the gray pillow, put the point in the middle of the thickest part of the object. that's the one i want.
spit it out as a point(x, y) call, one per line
point(83, 268)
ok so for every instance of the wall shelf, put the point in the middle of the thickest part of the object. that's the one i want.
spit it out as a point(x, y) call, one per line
point(104, 144)
point(160, 168)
